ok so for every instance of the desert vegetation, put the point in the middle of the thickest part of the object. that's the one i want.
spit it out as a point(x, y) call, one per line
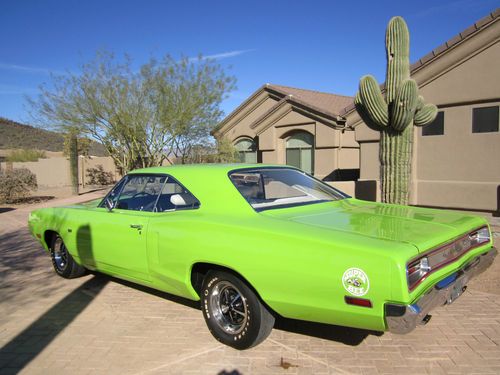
point(24, 155)
point(16, 184)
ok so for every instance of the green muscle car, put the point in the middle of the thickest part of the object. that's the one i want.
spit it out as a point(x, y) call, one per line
point(252, 242)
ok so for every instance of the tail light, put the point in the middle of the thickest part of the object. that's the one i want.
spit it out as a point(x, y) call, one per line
point(417, 270)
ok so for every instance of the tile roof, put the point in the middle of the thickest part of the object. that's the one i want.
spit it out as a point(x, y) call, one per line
point(330, 103)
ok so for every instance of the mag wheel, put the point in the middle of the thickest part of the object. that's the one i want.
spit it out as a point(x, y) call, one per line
point(63, 262)
point(233, 313)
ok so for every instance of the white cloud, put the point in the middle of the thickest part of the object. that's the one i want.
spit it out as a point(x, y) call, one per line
point(223, 55)
point(29, 69)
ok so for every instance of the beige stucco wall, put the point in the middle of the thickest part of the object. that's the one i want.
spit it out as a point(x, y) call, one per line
point(243, 121)
point(55, 171)
point(460, 168)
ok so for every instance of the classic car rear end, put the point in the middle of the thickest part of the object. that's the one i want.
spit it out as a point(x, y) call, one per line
point(439, 276)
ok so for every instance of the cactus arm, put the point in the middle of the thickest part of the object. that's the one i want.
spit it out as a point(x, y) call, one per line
point(420, 103)
point(404, 105)
point(397, 40)
point(425, 115)
point(364, 115)
point(370, 97)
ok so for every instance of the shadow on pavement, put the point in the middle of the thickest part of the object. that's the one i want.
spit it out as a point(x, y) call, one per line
point(180, 300)
point(23, 348)
point(344, 335)
point(6, 209)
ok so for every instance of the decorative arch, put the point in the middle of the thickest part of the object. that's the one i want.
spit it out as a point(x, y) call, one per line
point(247, 150)
point(300, 150)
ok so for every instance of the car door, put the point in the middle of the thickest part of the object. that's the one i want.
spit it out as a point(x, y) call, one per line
point(115, 240)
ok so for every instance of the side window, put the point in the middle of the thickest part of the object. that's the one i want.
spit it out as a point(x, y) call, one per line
point(140, 192)
point(113, 194)
point(175, 197)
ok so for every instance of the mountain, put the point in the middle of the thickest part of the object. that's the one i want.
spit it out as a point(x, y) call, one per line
point(14, 135)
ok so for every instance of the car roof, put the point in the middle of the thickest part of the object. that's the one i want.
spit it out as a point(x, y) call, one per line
point(211, 185)
point(197, 167)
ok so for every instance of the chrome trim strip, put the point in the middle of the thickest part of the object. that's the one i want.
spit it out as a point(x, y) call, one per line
point(403, 319)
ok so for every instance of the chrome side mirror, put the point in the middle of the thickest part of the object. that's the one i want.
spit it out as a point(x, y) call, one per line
point(109, 204)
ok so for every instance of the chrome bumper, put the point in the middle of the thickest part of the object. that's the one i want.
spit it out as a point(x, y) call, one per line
point(404, 318)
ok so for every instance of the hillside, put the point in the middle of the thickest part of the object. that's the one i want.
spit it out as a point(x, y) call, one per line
point(14, 135)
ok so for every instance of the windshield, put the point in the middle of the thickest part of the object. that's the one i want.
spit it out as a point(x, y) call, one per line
point(281, 187)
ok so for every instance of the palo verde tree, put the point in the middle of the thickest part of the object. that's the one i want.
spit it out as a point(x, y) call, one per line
point(394, 115)
point(142, 117)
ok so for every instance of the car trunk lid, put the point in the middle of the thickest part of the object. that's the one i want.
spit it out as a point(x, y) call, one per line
point(422, 227)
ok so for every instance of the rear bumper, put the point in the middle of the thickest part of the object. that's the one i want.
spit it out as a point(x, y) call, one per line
point(404, 318)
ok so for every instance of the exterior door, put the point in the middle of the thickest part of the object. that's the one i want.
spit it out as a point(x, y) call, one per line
point(115, 241)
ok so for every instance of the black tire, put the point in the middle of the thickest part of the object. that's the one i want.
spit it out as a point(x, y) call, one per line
point(64, 264)
point(233, 313)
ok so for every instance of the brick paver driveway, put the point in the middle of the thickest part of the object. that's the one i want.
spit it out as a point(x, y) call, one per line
point(100, 325)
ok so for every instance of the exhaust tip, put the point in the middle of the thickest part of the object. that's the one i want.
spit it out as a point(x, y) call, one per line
point(426, 319)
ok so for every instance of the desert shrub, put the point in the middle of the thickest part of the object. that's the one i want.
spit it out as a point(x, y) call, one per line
point(26, 155)
point(16, 183)
point(98, 176)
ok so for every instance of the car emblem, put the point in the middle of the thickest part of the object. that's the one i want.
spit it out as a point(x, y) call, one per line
point(356, 281)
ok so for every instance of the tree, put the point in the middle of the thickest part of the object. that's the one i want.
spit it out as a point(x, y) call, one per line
point(141, 117)
point(226, 152)
point(395, 115)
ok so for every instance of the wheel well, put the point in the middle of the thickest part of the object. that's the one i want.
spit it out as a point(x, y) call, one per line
point(48, 236)
point(200, 270)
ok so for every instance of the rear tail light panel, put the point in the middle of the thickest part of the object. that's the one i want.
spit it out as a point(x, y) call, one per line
point(418, 269)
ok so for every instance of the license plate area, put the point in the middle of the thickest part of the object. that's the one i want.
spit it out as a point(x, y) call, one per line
point(456, 290)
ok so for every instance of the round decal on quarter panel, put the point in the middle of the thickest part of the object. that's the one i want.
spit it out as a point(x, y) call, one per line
point(356, 281)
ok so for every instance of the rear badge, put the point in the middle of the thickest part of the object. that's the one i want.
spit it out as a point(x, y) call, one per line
point(356, 282)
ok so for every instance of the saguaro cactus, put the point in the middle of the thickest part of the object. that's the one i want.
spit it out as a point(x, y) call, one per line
point(395, 115)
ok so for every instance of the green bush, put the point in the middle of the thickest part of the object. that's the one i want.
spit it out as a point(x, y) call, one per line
point(16, 183)
point(98, 176)
point(26, 155)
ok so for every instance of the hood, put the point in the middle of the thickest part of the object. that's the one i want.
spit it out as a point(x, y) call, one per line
point(422, 227)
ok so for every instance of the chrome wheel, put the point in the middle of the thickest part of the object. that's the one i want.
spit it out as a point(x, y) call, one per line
point(228, 307)
point(60, 254)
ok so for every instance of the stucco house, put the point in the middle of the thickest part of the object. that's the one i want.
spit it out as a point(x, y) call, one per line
point(286, 125)
point(456, 161)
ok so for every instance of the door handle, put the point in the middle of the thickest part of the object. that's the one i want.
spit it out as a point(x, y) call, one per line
point(136, 226)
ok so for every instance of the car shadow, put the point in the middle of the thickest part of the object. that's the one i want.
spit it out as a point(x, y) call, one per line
point(344, 335)
point(158, 293)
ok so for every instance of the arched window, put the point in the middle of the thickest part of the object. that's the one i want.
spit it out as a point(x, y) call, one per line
point(247, 150)
point(300, 151)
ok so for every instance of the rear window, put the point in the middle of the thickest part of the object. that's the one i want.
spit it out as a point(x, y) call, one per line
point(281, 187)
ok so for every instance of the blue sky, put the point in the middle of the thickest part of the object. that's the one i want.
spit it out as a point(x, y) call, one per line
point(320, 45)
